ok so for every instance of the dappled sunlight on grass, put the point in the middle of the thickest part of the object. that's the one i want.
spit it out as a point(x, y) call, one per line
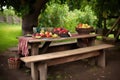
point(8, 34)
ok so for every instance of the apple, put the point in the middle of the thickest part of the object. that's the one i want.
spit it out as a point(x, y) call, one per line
point(42, 34)
point(54, 30)
point(48, 35)
point(11, 59)
point(80, 25)
point(59, 29)
point(46, 32)
point(60, 32)
point(37, 34)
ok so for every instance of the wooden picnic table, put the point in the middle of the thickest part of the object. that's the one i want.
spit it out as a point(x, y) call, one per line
point(81, 41)
point(39, 63)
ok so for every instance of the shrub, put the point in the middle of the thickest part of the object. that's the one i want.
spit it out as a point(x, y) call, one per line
point(57, 15)
point(54, 15)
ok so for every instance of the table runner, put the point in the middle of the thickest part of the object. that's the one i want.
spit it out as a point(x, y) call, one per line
point(23, 45)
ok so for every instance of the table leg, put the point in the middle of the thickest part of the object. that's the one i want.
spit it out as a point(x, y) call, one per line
point(34, 51)
point(101, 59)
point(82, 42)
point(86, 42)
point(43, 71)
point(34, 72)
point(35, 48)
point(45, 47)
point(91, 41)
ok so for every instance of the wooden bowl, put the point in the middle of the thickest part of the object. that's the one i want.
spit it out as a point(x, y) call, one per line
point(84, 30)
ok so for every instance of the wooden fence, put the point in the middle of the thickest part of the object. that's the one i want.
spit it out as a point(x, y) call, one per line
point(10, 19)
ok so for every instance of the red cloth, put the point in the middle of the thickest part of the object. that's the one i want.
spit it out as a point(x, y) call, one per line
point(23, 45)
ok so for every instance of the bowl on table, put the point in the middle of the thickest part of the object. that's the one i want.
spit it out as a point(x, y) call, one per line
point(84, 30)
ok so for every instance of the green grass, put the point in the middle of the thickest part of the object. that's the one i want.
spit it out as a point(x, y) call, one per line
point(8, 34)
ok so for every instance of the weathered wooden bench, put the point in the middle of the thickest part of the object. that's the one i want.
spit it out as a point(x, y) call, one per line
point(15, 49)
point(39, 63)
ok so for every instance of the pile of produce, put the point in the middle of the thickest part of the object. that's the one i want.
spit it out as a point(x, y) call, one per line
point(84, 28)
point(62, 32)
point(54, 33)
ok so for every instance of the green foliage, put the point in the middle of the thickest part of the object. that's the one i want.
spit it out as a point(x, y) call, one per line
point(54, 15)
point(86, 15)
point(57, 15)
point(8, 34)
point(8, 12)
point(21, 7)
point(105, 8)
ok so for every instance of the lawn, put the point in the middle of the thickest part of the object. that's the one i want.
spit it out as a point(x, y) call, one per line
point(8, 34)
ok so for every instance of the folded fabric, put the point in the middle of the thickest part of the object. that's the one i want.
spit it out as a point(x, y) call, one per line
point(23, 45)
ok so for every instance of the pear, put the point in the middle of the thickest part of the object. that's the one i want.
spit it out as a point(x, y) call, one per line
point(54, 35)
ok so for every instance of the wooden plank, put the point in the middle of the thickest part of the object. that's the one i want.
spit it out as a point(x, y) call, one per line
point(63, 38)
point(117, 36)
point(34, 72)
point(101, 59)
point(60, 54)
point(62, 43)
point(114, 25)
point(42, 71)
point(108, 38)
point(71, 58)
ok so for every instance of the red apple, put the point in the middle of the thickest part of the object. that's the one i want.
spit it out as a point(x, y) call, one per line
point(47, 35)
point(37, 34)
point(59, 29)
point(80, 25)
point(42, 34)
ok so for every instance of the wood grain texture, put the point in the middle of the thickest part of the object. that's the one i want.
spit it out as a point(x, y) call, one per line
point(66, 53)
point(71, 58)
point(42, 71)
point(34, 72)
point(63, 38)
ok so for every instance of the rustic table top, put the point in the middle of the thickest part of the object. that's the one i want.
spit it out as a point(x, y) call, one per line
point(74, 36)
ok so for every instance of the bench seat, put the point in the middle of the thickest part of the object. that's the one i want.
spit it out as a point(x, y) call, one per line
point(66, 53)
point(40, 62)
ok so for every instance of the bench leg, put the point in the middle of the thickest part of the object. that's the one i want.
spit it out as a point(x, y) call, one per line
point(101, 59)
point(43, 71)
point(34, 72)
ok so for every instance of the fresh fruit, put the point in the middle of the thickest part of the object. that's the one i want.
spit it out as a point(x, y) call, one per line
point(80, 25)
point(60, 30)
point(83, 26)
point(54, 35)
point(46, 33)
point(50, 33)
point(37, 36)
point(42, 34)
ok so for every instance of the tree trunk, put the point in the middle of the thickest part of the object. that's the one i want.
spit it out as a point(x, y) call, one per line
point(30, 20)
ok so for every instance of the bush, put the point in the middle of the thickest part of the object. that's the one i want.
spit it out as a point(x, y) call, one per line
point(86, 15)
point(57, 15)
point(54, 15)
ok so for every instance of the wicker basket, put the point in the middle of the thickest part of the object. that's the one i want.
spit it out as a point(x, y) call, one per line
point(84, 30)
point(13, 64)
